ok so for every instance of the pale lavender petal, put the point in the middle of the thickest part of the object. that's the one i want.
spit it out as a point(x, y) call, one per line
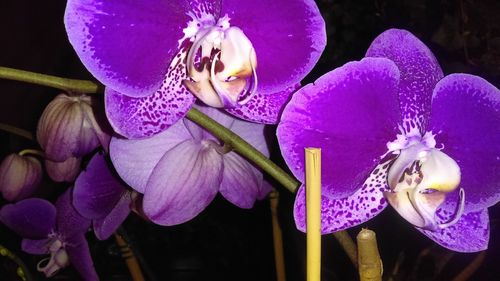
point(31, 218)
point(20, 177)
point(183, 183)
point(96, 189)
point(343, 213)
point(66, 171)
point(104, 227)
point(288, 38)
point(264, 108)
point(79, 255)
point(466, 118)
point(134, 160)
point(127, 45)
point(350, 113)
point(240, 181)
point(69, 221)
point(419, 70)
point(217, 115)
point(470, 234)
point(36, 247)
point(252, 133)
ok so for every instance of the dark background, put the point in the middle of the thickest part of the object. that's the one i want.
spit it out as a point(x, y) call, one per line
point(225, 242)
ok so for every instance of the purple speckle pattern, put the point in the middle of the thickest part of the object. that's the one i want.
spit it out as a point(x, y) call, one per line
point(204, 7)
point(136, 118)
point(340, 214)
point(264, 108)
point(470, 234)
point(419, 69)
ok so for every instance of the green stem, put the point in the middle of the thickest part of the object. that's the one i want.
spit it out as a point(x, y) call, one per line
point(70, 85)
point(243, 148)
point(34, 152)
point(16, 131)
point(22, 270)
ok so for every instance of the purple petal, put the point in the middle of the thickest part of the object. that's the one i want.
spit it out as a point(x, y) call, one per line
point(340, 214)
point(217, 115)
point(183, 183)
point(36, 247)
point(419, 70)
point(134, 160)
point(466, 117)
point(350, 113)
point(104, 227)
point(264, 108)
point(127, 45)
point(470, 234)
point(288, 38)
point(143, 117)
point(63, 171)
point(31, 218)
point(69, 221)
point(240, 181)
point(20, 177)
point(99, 124)
point(79, 255)
point(96, 189)
point(252, 133)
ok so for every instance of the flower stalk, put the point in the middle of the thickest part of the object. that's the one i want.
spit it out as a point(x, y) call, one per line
point(369, 262)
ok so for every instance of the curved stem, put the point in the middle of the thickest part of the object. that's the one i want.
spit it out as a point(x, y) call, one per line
point(243, 148)
point(16, 131)
point(22, 270)
point(82, 86)
point(34, 152)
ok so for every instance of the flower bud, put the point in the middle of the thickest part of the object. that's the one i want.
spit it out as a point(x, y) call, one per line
point(20, 177)
point(68, 128)
point(66, 171)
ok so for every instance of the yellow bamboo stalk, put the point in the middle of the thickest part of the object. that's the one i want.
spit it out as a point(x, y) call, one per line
point(130, 259)
point(279, 257)
point(313, 210)
point(370, 264)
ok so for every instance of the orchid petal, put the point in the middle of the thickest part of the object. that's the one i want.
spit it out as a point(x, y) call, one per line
point(36, 247)
point(128, 46)
point(96, 189)
point(66, 171)
point(264, 108)
point(31, 218)
point(343, 213)
point(419, 70)
point(466, 118)
point(359, 101)
point(470, 234)
point(134, 160)
point(104, 227)
point(240, 181)
point(79, 255)
point(288, 42)
point(20, 177)
point(69, 221)
point(183, 183)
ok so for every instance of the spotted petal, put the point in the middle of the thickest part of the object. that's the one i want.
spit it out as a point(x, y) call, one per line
point(470, 234)
point(419, 69)
point(31, 218)
point(343, 213)
point(350, 113)
point(183, 183)
point(127, 45)
point(466, 118)
point(288, 37)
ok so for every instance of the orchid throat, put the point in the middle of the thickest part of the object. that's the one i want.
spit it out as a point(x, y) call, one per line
point(419, 180)
point(221, 62)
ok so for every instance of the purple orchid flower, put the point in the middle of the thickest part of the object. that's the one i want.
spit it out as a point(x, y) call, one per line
point(56, 230)
point(98, 195)
point(393, 129)
point(180, 170)
point(157, 57)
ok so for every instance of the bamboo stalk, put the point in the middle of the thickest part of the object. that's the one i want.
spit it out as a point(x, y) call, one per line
point(279, 257)
point(313, 209)
point(370, 264)
point(130, 259)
